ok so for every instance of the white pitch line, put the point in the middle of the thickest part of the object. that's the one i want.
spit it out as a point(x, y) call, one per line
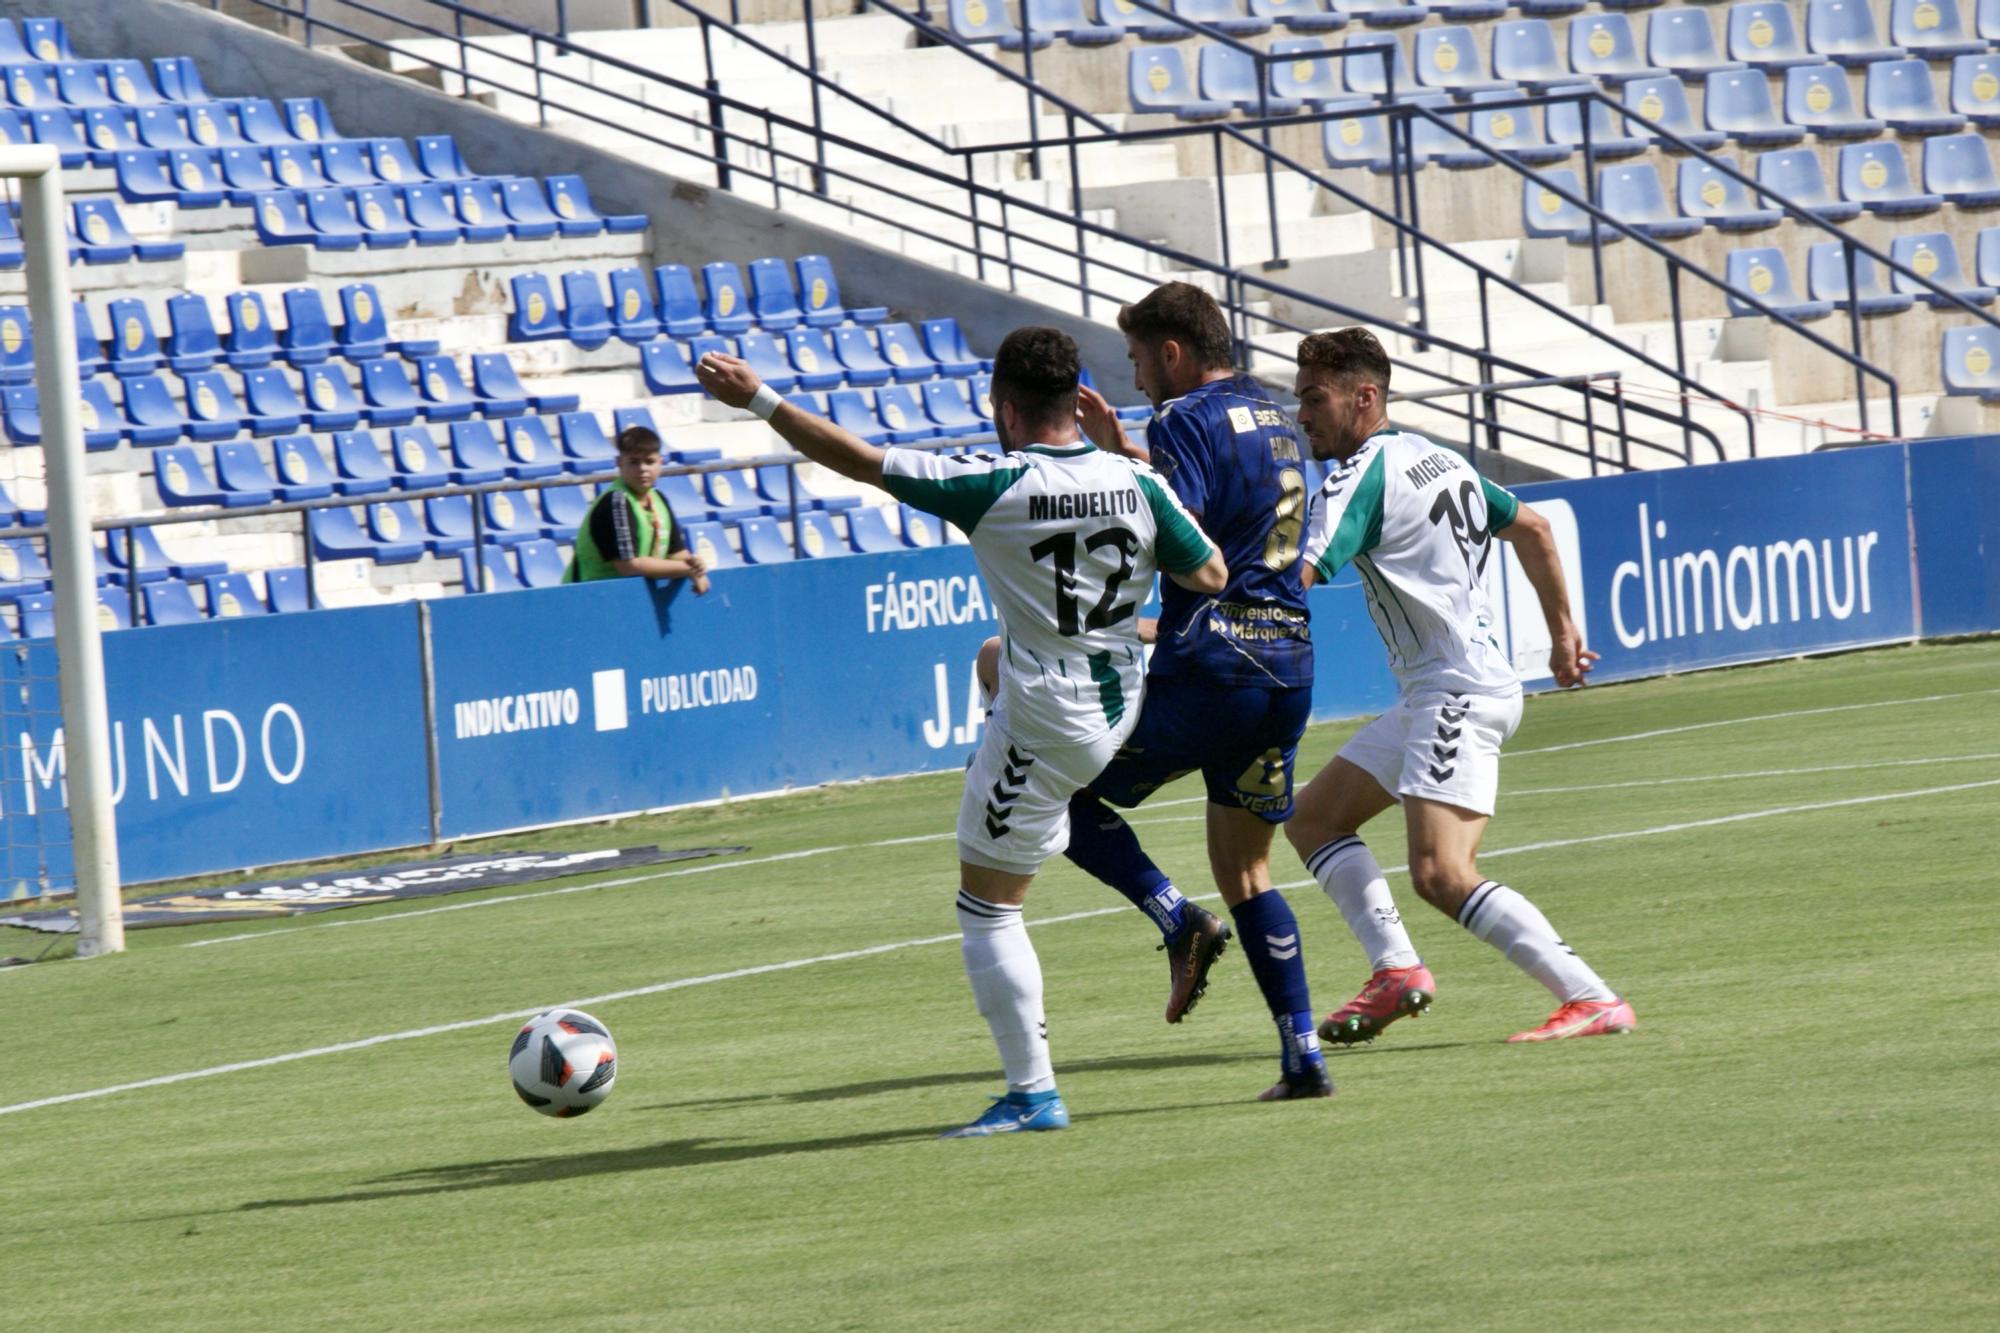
point(1739, 721)
point(1758, 773)
point(761, 969)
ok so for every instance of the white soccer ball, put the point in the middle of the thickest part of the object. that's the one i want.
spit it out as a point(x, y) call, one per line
point(563, 1062)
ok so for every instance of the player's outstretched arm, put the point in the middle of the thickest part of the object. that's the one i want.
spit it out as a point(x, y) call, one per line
point(1535, 547)
point(1099, 422)
point(730, 380)
point(1210, 577)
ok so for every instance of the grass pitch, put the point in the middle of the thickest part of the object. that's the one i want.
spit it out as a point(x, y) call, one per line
point(1800, 1134)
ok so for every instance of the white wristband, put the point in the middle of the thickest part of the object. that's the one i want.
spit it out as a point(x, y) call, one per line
point(765, 401)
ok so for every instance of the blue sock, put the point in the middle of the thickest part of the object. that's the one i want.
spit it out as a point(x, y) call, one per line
point(1102, 844)
point(1270, 937)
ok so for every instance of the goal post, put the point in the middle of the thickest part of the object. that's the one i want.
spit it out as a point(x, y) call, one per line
point(79, 647)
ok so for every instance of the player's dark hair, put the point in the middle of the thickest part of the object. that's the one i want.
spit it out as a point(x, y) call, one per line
point(1346, 354)
point(1185, 313)
point(638, 440)
point(1036, 369)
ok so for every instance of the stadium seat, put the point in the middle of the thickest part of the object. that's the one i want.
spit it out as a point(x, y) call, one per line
point(192, 342)
point(169, 602)
point(564, 507)
point(1229, 75)
point(986, 22)
point(731, 495)
point(1380, 13)
point(1763, 35)
point(344, 163)
point(633, 316)
point(947, 404)
point(1293, 15)
point(1358, 140)
point(90, 350)
point(1795, 174)
point(1738, 103)
point(1900, 92)
point(684, 495)
point(301, 471)
point(945, 341)
point(481, 205)
point(1764, 274)
point(501, 393)
point(242, 475)
point(665, 368)
point(1525, 52)
point(261, 123)
point(1818, 98)
point(1960, 167)
point(1875, 176)
point(414, 460)
point(308, 336)
point(162, 127)
point(444, 392)
point(1682, 40)
point(1448, 58)
point(330, 214)
point(271, 405)
point(861, 357)
point(901, 411)
point(781, 487)
point(386, 222)
point(509, 518)
point(1987, 258)
point(1380, 61)
point(181, 479)
point(681, 313)
point(1664, 102)
point(47, 39)
point(1066, 19)
point(297, 166)
point(104, 425)
point(357, 461)
point(433, 212)
point(711, 542)
point(1546, 213)
point(1986, 20)
point(386, 389)
point(534, 316)
point(1634, 196)
point(817, 536)
point(569, 199)
point(920, 529)
point(585, 444)
point(1971, 361)
point(1222, 15)
point(288, 590)
point(812, 359)
point(1844, 32)
point(1975, 89)
point(820, 296)
point(391, 537)
point(1610, 135)
point(439, 159)
point(1933, 255)
point(1932, 29)
point(499, 571)
point(1826, 275)
point(364, 329)
point(133, 348)
point(773, 301)
point(868, 532)
point(58, 130)
point(527, 449)
point(1602, 47)
point(213, 412)
point(103, 238)
point(392, 163)
point(1301, 79)
point(904, 351)
point(764, 542)
point(1157, 81)
point(852, 411)
point(475, 454)
point(541, 562)
point(727, 309)
point(232, 595)
point(447, 523)
point(17, 346)
point(769, 360)
point(1720, 200)
point(246, 174)
point(152, 561)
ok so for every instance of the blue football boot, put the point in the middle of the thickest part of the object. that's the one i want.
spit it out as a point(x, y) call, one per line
point(1014, 1113)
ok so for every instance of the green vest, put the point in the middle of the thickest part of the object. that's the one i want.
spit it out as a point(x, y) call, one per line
point(652, 538)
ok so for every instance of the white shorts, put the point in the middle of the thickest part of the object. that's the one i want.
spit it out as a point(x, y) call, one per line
point(1015, 812)
point(1439, 746)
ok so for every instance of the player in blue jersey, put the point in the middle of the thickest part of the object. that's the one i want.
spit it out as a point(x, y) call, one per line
point(1229, 688)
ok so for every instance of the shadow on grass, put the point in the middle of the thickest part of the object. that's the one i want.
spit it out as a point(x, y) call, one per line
point(673, 1153)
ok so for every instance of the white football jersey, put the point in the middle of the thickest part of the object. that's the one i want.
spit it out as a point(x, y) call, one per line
point(1418, 525)
point(1067, 539)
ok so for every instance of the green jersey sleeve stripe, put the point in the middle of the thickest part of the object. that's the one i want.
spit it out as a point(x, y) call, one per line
point(1360, 526)
point(1501, 506)
point(1181, 545)
point(961, 500)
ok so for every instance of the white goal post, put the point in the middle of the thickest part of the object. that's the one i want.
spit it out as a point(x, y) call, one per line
point(79, 649)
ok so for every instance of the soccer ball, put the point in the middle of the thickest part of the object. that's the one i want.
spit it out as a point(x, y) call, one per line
point(563, 1062)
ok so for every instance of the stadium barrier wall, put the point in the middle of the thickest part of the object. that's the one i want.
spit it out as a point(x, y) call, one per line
point(251, 742)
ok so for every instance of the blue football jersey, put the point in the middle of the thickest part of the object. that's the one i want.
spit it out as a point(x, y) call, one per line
point(1233, 458)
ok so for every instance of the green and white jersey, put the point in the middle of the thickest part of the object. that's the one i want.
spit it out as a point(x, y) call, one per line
point(1418, 525)
point(1067, 540)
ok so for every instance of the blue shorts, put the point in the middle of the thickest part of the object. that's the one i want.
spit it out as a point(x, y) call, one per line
point(1243, 738)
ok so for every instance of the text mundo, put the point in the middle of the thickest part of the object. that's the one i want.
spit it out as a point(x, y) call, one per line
point(224, 749)
point(1668, 595)
point(517, 712)
point(925, 603)
point(697, 689)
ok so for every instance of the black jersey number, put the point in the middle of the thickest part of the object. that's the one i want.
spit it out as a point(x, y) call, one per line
point(1466, 515)
point(1061, 551)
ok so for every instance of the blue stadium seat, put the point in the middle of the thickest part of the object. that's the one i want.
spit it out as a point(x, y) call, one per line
point(242, 475)
point(541, 562)
point(1988, 258)
point(951, 409)
point(308, 336)
point(633, 316)
point(1611, 136)
point(288, 590)
point(585, 444)
point(433, 210)
point(1301, 79)
point(1355, 141)
point(812, 359)
point(197, 172)
point(1720, 200)
point(1818, 97)
point(1975, 89)
point(90, 350)
point(681, 313)
point(103, 424)
point(779, 487)
point(162, 127)
point(1066, 19)
point(32, 85)
point(1448, 58)
point(986, 22)
point(386, 389)
point(499, 571)
point(213, 125)
point(331, 216)
point(103, 239)
point(1546, 213)
point(297, 166)
point(945, 341)
point(665, 368)
point(47, 39)
point(309, 120)
point(1222, 15)
point(728, 306)
point(1933, 255)
point(1228, 75)
point(1901, 93)
point(1525, 52)
point(1371, 71)
point(391, 162)
point(498, 387)
point(17, 346)
point(1664, 102)
point(852, 411)
point(445, 394)
point(1738, 103)
point(1932, 29)
point(510, 518)
point(904, 350)
point(271, 405)
point(364, 329)
point(169, 602)
point(920, 529)
point(534, 315)
point(1380, 13)
point(527, 450)
point(900, 409)
point(764, 542)
point(357, 462)
point(1157, 81)
point(329, 400)
point(1795, 173)
point(733, 494)
point(59, 129)
point(301, 471)
point(1634, 196)
point(1293, 15)
point(1466, 11)
point(1683, 41)
point(438, 157)
point(585, 316)
point(337, 535)
point(1971, 361)
point(820, 296)
point(530, 217)
point(868, 532)
point(1602, 47)
point(347, 163)
point(181, 479)
point(262, 124)
point(386, 219)
point(133, 348)
point(414, 459)
point(1875, 176)
point(1960, 167)
point(152, 560)
point(685, 497)
point(448, 524)
point(213, 413)
point(232, 595)
point(861, 356)
point(1844, 32)
point(768, 359)
point(1826, 275)
point(246, 173)
point(711, 542)
point(482, 213)
point(817, 536)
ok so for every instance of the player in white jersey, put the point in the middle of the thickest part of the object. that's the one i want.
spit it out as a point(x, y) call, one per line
point(1067, 540)
point(1418, 525)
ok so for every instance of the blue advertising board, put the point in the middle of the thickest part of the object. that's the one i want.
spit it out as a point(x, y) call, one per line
point(1955, 505)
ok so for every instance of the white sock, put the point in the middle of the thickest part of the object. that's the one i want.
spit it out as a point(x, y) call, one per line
point(1006, 979)
point(1516, 927)
point(1346, 869)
